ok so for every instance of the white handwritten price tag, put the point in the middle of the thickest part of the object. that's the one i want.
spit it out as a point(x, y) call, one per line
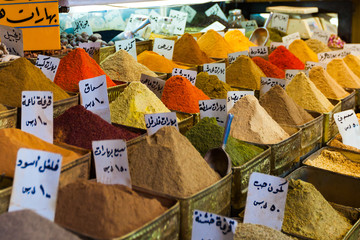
point(309, 65)
point(216, 26)
point(111, 162)
point(37, 114)
point(321, 35)
point(129, 45)
point(290, 73)
point(36, 182)
point(217, 69)
point(353, 47)
point(274, 45)
point(216, 10)
point(242, 30)
point(158, 120)
point(249, 25)
point(13, 40)
point(234, 96)
point(164, 47)
point(81, 25)
point(48, 65)
point(280, 21)
point(214, 108)
point(179, 21)
point(211, 226)
point(134, 21)
point(259, 52)
point(326, 57)
point(156, 85)
point(94, 97)
point(265, 202)
point(233, 56)
point(267, 83)
point(348, 125)
point(188, 74)
point(90, 47)
point(190, 11)
point(290, 38)
point(154, 19)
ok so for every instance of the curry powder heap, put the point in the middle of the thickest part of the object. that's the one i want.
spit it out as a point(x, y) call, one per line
point(212, 86)
point(302, 51)
point(238, 41)
point(214, 45)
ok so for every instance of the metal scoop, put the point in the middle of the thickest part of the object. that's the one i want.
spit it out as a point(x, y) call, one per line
point(217, 158)
point(261, 35)
point(130, 34)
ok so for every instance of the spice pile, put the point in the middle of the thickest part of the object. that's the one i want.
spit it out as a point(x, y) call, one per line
point(353, 63)
point(212, 86)
point(269, 69)
point(248, 231)
point(214, 45)
point(302, 51)
point(103, 211)
point(157, 63)
point(317, 46)
point(337, 141)
point(343, 75)
point(284, 59)
point(161, 162)
point(238, 41)
point(3, 108)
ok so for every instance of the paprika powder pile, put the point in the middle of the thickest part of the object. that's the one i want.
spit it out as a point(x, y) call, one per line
point(284, 59)
point(269, 69)
point(180, 95)
point(302, 51)
point(214, 45)
point(157, 63)
point(238, 41)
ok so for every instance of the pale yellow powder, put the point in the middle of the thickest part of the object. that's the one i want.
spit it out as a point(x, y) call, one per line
point(305, 94)
point(132, 104)
point(343, 75)
point(353, 63)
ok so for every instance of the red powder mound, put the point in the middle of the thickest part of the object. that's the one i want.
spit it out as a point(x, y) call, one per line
point(284, 59)
point(269, 69)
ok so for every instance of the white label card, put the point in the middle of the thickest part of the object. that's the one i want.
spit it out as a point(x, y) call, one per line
point(48, 65)
point(274, 45)
point(94, 97)
point(280, 21)
point(13, 40)
point(348, 125)
point(216, 26)
point(37, 114)
point(290, 73)
point(234, 96)
point(265, 202)
point(134, 21)
point(326, 57)
point(353, 47)
point(249, 25)
point(154, 18)
point(164, 47)
point(290, 38)
point(210, 226)
point(156, 85)
point(214, 108)
point(190, 11)
point(216, 10)
point(111, 162)
point(179, 21)
point(321, 35)
point(259, 52)
point(309, 65)
point(217, 69)
point(81, 25)
point(233, 56)
point(91, 47)
point(36, 182)
point(129, 45)
point(188, 74)
point(267, 83)
point(158, 120)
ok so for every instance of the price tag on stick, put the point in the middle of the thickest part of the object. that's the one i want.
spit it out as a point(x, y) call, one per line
point(188, 74)
point(217, 69)
point(259, 52)
point(321, 35)
point(290, 73)
point(328, 56)
point(156, 85)
point(234, 96)
point(267, 83)
point(233, 56)
point(348, 125)
point(280, 21)
point(190, 11)
point(91, 48)
point(214, 108)
point(48, 65)
point(13, 40)
point(249, 25)
point(111, 162)
point(36, 182)
point(158, 120)
point(164, 47)
point(265, 202)
point(129, 45)
point(179, 21)
point(81, 25)
point(37, 114)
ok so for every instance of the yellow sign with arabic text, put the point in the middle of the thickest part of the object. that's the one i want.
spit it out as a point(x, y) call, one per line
point(38, 20)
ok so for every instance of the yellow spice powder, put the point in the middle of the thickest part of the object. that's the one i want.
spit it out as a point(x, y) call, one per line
point(238, 41)
point(353, 63)
point(214, 45)
point(302, 51)
point(343, 75)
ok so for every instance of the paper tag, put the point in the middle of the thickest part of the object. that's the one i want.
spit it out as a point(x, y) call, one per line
point(290, 73)
point(217, 69)
point(265, 202)
point(36, 182)
point(354, 47)
point(328, 56)
point(81, 25)
point(13, 39)
point(216, 26)
point(267, 83)
point(190, 11)
point(179, 21)
point(216, 10)
point(290, 38)
point(242, 30)
point(214, 108)
point(158, 120)
point(48, 65)
point(111, 162)
point(156, 85)
point(309, 65)
point(37, 114)
point(234, 96)
point(94, 97)
point(90, 47)
point(164, 47)
point(348, 125)
point(280, 21)
point(274, 45)
point(129, 45)
point(188, 74)
point(134, 21)
point(154, 18)
point(321, 35)
point(211, 226)
point(259, 52)
point(249, 25)
point(233, 56)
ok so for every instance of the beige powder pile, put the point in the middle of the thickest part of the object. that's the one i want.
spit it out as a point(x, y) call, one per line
point(343, 75)
point(317, 46)
point(353, 63)
point(252, 123)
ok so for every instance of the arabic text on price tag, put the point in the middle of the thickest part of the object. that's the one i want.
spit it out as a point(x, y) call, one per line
point(280, 21)
point(156, 85)
point(190, 11)
point(267, 83)
point(179, 21)
point(326, 57)
point(233, 56)
point(249, 25)
point(290, 73)
point(234, 96)
point(81, 25)
point(158, 120)
point(274, 45)
point(48, 65)
point(259, 52)
point(188, 74)
point(348, 125)
point(91, 47)
point(321, 35)
point(129, 45)
point(290, 38)
point(309, 65)
point(217, 69)
point(214, 108)
point(216, 10)
point(13, 40)
point(164, 47)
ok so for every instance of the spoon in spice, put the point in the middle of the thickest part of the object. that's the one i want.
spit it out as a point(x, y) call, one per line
point(261, 35)
point(217, 158)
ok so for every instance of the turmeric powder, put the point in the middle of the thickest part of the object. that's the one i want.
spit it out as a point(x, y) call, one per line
point(157, 63)
point(353, 63)
point(238, 41)
point(214, 45)
point(343, 75)
point(302, 51)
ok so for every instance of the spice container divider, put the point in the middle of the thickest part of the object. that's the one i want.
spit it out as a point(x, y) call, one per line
point(353, 155)
point(241, 174)
point(77, 169)
point(8, 118)
point(330, 128)
point(349, 102)
point(186, 121)
point(142, 46)
point(357, 97)
point(162, 76)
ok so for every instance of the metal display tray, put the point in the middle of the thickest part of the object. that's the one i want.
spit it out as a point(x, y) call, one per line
point(8, 118)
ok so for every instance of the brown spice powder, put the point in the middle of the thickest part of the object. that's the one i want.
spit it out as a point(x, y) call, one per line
point(248, 231)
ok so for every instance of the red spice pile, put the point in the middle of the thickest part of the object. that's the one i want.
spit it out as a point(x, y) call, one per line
point(284, 59)
point(269, 69)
